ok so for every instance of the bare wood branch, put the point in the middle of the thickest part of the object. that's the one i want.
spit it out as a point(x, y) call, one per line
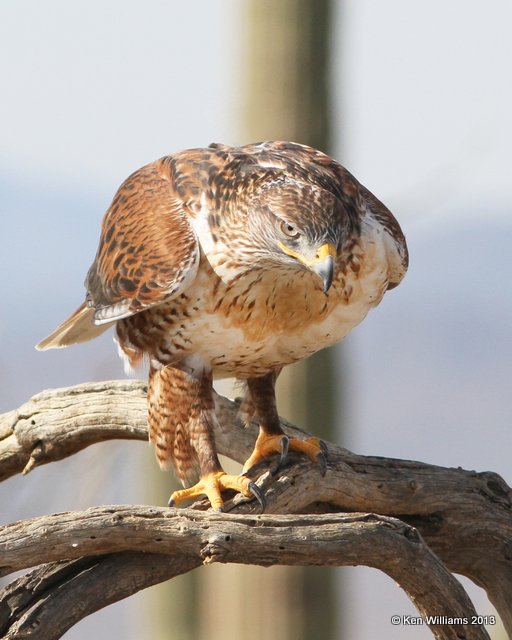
point(51, 599)
point(326, 540)
point(57, 423)
point(465, 517)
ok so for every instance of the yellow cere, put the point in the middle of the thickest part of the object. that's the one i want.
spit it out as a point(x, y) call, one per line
point(325, 250)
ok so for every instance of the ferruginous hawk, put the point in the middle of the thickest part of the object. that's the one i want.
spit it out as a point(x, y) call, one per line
point(233, 261)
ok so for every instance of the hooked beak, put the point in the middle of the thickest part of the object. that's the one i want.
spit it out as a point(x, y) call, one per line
point(322, 264)
point(325, 269)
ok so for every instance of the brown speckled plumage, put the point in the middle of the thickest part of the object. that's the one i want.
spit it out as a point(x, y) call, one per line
point(218, 262)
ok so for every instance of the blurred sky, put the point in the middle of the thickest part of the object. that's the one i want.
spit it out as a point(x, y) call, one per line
point(423, 96)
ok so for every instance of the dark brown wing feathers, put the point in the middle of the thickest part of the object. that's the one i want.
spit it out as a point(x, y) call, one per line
point(148, 251)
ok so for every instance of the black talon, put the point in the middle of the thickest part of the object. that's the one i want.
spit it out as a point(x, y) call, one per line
point(285, 444)
point(170, 502)
point(258, 494)
point(321, 457)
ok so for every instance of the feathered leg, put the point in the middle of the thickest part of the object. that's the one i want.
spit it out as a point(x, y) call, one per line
point(271, 438)
point(181, 418)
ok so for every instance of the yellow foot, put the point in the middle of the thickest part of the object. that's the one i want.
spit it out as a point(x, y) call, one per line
point(266, 445)
point(211, 486)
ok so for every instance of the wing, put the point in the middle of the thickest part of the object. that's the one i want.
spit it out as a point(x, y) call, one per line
point(148, 252)
point(396, 246)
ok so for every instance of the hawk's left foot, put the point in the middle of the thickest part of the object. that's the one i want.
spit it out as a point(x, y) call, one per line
point(211, 486)
point(268, 444)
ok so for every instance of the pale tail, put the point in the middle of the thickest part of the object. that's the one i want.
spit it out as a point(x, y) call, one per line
point(79, 327)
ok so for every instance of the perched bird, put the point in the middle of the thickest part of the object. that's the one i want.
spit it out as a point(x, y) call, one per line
point(233, 262)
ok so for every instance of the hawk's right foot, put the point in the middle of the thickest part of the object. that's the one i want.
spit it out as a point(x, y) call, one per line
point(211, 486)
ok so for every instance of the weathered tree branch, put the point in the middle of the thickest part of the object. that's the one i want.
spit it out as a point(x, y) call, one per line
point(51, 599)
point(57, 423)
point(192, 538)
point(465, 517)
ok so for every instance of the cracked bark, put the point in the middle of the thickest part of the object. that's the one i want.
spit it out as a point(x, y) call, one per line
point(464, 520)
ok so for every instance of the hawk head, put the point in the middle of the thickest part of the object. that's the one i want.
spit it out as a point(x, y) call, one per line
point(297, 224)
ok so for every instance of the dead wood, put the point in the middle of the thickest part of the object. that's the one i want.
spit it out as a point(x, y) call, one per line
point(464, 518)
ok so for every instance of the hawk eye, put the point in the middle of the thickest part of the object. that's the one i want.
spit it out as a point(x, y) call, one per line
point(289, 230)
